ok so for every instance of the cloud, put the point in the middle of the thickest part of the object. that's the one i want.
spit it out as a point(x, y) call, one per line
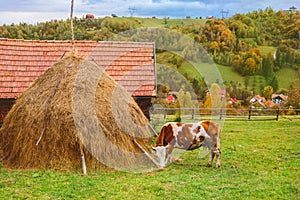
point(31, 11)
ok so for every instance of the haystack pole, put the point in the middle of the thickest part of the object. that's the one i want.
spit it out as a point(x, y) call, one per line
point(73, 51)
point(71, 25)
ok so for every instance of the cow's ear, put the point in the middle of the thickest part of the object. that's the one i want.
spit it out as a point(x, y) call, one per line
point(154, 148)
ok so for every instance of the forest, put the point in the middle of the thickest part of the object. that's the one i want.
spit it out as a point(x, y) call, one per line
point(258, 45)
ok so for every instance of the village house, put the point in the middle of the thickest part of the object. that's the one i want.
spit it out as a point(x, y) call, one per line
point(131, 64)
point(259, 99)
point(279, 98)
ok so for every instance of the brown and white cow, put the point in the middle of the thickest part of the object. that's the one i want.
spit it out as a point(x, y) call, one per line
point(188, 136)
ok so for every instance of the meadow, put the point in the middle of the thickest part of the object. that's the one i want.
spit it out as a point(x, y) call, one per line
point(260, 160)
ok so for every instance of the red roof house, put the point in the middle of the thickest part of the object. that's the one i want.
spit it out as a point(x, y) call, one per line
point(131, 64)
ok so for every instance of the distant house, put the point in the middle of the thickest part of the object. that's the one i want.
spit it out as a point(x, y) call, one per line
point(270, 104)
point(258, 99)
point(131, 64)
point(222, 92)
point(170, 99)
point(210, 17)
point(232, 101)
point(279, 98)
point(89, 16)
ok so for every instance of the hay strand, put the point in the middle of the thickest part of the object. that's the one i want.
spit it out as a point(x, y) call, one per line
point(47, 106)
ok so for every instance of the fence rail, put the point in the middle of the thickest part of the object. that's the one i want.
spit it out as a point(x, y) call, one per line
point(225, 113)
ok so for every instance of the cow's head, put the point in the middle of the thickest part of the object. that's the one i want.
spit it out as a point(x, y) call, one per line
point(161, 153)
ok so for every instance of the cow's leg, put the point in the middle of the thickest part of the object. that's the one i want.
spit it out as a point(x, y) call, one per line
point(218, 153)
point(218, 157)
point(169, 152)
point(211, 157)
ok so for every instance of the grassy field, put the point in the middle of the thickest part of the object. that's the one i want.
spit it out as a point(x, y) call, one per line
point(158, 22)
point(286, 77)
point(260, 160)
point(266, 49)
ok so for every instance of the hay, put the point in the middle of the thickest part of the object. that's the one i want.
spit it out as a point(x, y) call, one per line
point(75, 105)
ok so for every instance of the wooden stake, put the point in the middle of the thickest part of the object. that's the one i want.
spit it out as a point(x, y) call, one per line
point(71, 24)
point(83, 161)
point(147, 154)
point(153, 130)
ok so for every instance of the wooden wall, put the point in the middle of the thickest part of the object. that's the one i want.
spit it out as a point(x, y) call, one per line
point(5, 106)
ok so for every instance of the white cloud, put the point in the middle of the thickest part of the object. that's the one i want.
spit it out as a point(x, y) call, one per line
point(32, 11)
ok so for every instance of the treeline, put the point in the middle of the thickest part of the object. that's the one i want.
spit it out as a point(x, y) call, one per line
point(84, 29)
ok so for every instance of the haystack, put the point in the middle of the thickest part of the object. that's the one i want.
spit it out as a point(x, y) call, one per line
point(75, 108)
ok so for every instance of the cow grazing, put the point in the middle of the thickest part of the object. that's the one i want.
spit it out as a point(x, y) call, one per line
point(188, 136)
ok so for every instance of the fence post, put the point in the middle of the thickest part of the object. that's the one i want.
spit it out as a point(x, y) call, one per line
point(165, 114)
point(277, 114)
point(221, 113)
point(193, 113)
point(249, 113)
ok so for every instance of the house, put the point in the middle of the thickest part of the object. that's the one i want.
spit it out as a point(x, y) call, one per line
point(89, 16)
point(131, 64)
point(270, 104)
point(258, 99)
point(222, 92)
point(170, 99)
point(232, 101)
point(279, 98)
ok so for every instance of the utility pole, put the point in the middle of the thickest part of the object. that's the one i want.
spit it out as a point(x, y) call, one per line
point(131, 10)
point(224, 12)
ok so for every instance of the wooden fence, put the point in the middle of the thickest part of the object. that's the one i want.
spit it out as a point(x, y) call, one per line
point(224, 113)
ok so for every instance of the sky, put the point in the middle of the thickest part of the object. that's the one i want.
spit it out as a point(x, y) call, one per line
point(33, 11)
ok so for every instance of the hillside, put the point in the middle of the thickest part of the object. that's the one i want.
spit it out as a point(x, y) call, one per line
point(251, 50)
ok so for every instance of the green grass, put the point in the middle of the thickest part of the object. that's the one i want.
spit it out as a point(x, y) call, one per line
point(264, 50)
point(228, 74)
point(286, 77)
point(260, 160)
point(158, 22)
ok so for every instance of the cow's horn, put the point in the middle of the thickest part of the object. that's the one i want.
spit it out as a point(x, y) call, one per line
point(154, 148)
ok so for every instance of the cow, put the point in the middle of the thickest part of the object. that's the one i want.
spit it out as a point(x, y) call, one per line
point(188, 136)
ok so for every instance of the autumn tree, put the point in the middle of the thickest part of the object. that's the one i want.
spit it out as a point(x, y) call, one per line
point(214, 99)
point(268, 91)
point(214, 47)
point(184, 100)
point(293, 97)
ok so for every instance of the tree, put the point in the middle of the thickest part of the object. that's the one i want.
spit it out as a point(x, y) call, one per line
point(268, 65)
point(216, 96)
point(185, 100)
point(214, 47)
point(249, 66)
point(274, 83)
point(268, 91)
point(293, 97)
point(247, 80)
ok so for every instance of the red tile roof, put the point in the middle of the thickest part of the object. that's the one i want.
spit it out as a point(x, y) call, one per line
point(131, 64)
